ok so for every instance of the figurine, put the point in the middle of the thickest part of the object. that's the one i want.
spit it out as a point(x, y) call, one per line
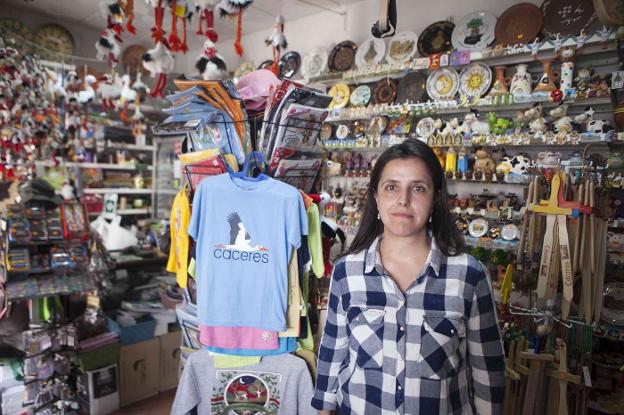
point(538, 125)
point(498, 125)
point(440, 155)
point(472, 125)
point(484, 161)
point(521, 81)
point(559, 112)
point(462, 160)
point(583, 82)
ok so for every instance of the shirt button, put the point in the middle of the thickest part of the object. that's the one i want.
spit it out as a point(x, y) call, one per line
point(401, 328)
point(399, 387)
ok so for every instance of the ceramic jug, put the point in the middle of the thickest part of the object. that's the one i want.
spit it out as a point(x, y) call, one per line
point(501, 83)
point(547, 80)
point(521, 81)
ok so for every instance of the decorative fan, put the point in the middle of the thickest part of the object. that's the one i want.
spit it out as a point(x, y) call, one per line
point(54, 38)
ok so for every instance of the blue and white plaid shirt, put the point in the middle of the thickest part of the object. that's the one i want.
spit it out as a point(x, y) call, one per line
point(434, 350)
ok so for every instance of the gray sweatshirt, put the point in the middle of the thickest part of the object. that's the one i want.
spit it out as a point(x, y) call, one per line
point(279, 384)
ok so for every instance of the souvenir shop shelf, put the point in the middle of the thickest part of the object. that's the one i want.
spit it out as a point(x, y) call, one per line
point(105, 166)
point(130, 147)
point(430, 108)
point(121, 190)
point(594, 47)
point(127, 212)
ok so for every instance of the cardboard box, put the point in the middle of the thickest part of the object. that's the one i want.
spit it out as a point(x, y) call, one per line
point(169, 359)
point(98, 391)
point(139, 371)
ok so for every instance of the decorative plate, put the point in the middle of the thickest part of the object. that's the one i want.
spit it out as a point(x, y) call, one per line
point(478, 228)
point(412, 87)
point(475, 31)
point(266, 64)
point(289, 65)
point(613, 305)
point(244, 69)
point(402, 47)
point(443, 83)
point(358, 129)
point(15, 27)
point(342, 131)
point(425, 127)
point(461, 224)
point(56, 39)
point(340, 94)
point(327, 131)
point(132, 60)
point(377, 126)
point(510, 232)
point(384, 91)
point(370, 53)
point(342, 56)
point(314, 63)
point(521, 23)
point(475, 79)
point(361, 96)
point(494, 232)
point(436, 38)
point(567, 17)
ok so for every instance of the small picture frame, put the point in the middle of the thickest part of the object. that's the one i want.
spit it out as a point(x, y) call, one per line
point(617, 80)
point(444, 59)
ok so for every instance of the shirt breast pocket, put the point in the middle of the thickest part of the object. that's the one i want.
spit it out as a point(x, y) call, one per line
point(366, 339)
point(440, 340)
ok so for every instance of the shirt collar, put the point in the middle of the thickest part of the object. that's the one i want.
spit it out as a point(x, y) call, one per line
point(372, 258)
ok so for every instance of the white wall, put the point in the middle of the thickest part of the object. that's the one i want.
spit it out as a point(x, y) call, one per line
point(327, 29)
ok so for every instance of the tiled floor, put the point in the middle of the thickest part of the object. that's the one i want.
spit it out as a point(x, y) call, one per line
point(156, 405)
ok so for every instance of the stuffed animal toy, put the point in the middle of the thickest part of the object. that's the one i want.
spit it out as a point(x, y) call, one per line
point(107, 46)
point(210, 64)
point(329, 230)
point(159, 62)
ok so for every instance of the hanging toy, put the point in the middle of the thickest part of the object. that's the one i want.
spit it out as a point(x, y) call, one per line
point(159, 62)
point(88, 93)
point(139, 86)
point(128, 10)
point(109, 90)
point(127, 95)
point(158, 34)
point(210, 64)
point(205, 11)
point(177, 10)
point(107, 46)
point(277, 41)
point(232, 8)
point(115, 16)
point(138, 124)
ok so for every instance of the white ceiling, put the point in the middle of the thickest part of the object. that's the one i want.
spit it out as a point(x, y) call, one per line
point(259, 16)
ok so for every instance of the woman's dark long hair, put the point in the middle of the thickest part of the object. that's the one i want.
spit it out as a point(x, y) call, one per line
point(445, 232)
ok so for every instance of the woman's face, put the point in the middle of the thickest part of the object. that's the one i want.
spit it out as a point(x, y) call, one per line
point(405, 197)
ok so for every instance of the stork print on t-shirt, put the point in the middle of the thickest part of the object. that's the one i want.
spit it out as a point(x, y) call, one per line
point(240, 247)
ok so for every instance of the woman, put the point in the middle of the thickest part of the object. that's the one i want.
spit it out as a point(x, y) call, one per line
point(411, 325)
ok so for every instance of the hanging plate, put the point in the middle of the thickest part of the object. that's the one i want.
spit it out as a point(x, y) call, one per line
point(314, 63)
point(474, 32)
point(412, 88)
point(442, 84)
point(340, 94)
point(436, 38)
point(266, 64)
point(425, 127)
point(384, 91)
point(475, 79)
point(327, 131)
point(370, 53)
point(360, 96)
point(567, 17)
point(509, 232)
point(402, 47)
point(289, 65)
point(342, 57)
point(478, 228)
point(342, 131)
point(521, 23)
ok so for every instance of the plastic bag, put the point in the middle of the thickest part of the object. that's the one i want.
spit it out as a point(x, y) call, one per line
point(114, 236)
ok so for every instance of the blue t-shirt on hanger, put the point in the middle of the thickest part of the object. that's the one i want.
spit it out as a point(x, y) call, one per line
point(246, 231)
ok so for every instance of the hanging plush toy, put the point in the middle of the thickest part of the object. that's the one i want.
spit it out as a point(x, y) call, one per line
point(110, 90)
point(158, 34)
point(139, 86)
point(232, 8)
point(159, 62)
point(115, 16)
point(87, 94)
point(178, 10)
point(329, 230)
point(127, 95)
point(107, 46)
point(210, 64)
point(205, 12)
point(277, 41)
point(128, 10)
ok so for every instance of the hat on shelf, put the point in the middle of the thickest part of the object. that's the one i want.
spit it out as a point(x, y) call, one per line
point(255, 87)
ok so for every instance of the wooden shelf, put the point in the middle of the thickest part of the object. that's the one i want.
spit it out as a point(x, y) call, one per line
point(121, 190)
